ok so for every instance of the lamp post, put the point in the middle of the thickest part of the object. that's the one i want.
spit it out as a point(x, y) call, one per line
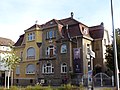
point(115, 51)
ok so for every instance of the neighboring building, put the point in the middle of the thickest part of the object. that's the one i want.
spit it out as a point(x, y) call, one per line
point(100, 40)
point(57, 52)
point(4, 50)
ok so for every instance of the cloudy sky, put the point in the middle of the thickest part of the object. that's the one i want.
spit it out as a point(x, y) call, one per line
point(18, 15)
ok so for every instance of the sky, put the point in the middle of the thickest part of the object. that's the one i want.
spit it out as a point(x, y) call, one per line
point(18, 15)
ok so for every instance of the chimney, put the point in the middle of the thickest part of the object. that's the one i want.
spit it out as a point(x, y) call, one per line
point(102, 24)
point(72, 15)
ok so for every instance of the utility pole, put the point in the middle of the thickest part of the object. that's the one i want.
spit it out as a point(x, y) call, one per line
point(115, 51)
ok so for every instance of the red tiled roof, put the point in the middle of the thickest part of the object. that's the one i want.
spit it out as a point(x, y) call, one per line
point(5, 42)
point(97, 32)
point(20, 40)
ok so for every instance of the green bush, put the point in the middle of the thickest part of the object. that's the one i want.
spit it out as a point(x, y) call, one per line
point(61, 88)
point(37, 87)
point(81, 87)
point(2, 88)
point(68, 87)
point(29, 88)
point(13, 88)
point(107, 89)
point(48, 88)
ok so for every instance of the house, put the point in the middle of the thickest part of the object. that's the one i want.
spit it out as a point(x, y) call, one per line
point(4, 50)
point(57, 52)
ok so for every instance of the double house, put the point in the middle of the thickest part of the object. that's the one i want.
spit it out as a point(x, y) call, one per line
point(57, 52)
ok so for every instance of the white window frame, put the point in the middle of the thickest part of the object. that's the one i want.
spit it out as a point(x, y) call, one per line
point(63, 46)
point(31, 36)
point(63, 68)
point(53, 48)
point(47, 68)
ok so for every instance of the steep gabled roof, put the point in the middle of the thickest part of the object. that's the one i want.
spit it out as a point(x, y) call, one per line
point(20, 40)
point(50, 23)
point(97, 32)
point(5, 41)
point(34, 27)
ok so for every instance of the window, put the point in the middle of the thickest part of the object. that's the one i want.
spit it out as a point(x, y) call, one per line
point(31, 52)
point(17, 80)
point(30, 69)
point(54, 33)
point(31, 36)
point(63, 48)
point(47, 35)
point(51, 34)
point(51, 51)
point(31, 80)
point(18, 69)
point(63, 68)
point(47, 68)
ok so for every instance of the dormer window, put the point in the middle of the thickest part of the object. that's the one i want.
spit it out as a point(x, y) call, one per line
point(31, 36)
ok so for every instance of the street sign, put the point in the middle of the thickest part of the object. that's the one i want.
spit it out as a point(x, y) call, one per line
point(92, 53)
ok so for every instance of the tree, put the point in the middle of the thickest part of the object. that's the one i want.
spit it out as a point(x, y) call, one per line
point(10, 61)
point(118, 45)
point(110, 53)
point(110, 57)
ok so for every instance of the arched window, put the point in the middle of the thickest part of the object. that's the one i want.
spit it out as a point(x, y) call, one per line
point(63, 48)
point(63, 68)
point(30, 69)
point(31, 52)
point(47, 68)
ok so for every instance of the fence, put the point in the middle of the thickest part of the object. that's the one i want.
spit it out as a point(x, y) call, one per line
point(99, 80)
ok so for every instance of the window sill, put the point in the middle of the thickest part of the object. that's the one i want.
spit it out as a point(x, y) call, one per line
point(63, 52)
point(30, 40)
point(47, 73)
point(30, 73)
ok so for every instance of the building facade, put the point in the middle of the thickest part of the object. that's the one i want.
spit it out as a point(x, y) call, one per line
point(58, 53)
point(28, 49)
